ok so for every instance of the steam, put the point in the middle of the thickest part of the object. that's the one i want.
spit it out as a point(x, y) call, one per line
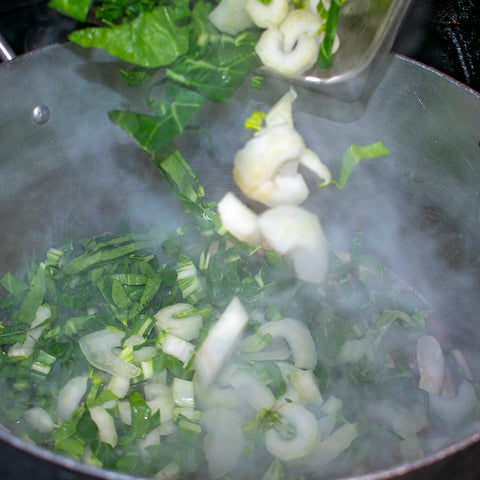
point(88, 177)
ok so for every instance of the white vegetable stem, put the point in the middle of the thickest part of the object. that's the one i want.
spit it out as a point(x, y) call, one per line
point(430, 364)
point(453, 410)
point(106, 425)
point(97, 348)
point(256, 393)
point(294, 230)
point(36, 328)
point(70, 396)
point(239, 220)
point(222, 338)
point(265, 169)
point(39, 419)
point(230, 16)
point(224, 441)
point(298, 337)
point(269, 14)
point(305, 425)
point(177, 347)
point(179, 320)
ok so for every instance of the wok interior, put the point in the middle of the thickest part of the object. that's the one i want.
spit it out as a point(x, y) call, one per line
point(417, 208)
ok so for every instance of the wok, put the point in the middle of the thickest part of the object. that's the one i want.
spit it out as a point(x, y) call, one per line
point(65, 168)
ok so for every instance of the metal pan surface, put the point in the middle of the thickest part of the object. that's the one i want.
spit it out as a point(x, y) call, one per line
point(65, 168)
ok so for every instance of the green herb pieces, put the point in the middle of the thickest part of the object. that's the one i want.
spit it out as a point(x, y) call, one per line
point(353, 156)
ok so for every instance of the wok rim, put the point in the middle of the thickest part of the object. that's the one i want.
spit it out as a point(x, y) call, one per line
point(383, 474)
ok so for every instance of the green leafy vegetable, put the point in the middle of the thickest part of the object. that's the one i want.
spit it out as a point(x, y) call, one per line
point(173, 114)
point(77, 9)
point(354, 155)
point(224, 67)
point(330, 16)
point(153, 39)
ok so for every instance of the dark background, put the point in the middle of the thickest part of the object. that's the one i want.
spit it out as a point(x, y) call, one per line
point(440, 33)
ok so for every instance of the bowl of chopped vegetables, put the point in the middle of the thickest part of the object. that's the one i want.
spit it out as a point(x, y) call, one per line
point(202, 278)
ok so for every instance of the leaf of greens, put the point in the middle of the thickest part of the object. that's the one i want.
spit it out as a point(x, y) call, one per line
point(13, 285)
point(77, 9)
point(153, 39)
point(354, 155)
point(331, 16)
point(141, 414)
point(221, 70)
point(34, 298)
point(153, 132)
point(184, 183)
point(137, 75)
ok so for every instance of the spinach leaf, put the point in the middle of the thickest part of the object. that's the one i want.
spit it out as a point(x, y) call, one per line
point(153, 39)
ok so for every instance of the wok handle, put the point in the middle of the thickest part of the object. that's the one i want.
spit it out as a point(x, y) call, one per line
point(6, 52)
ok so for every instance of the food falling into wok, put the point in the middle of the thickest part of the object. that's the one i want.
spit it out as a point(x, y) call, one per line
point(204, 354)
point(242, 345)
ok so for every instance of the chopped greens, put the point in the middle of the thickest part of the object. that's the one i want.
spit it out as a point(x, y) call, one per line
point(191, 354)
point(126, 398)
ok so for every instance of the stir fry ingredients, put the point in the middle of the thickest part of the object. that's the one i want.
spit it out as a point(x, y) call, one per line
point(288, 36)
point(266, 170)
point(198, 355)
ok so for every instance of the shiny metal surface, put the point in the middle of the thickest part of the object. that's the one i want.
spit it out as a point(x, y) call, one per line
point(6, 52)
point(79, 173)
point(367, 30)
